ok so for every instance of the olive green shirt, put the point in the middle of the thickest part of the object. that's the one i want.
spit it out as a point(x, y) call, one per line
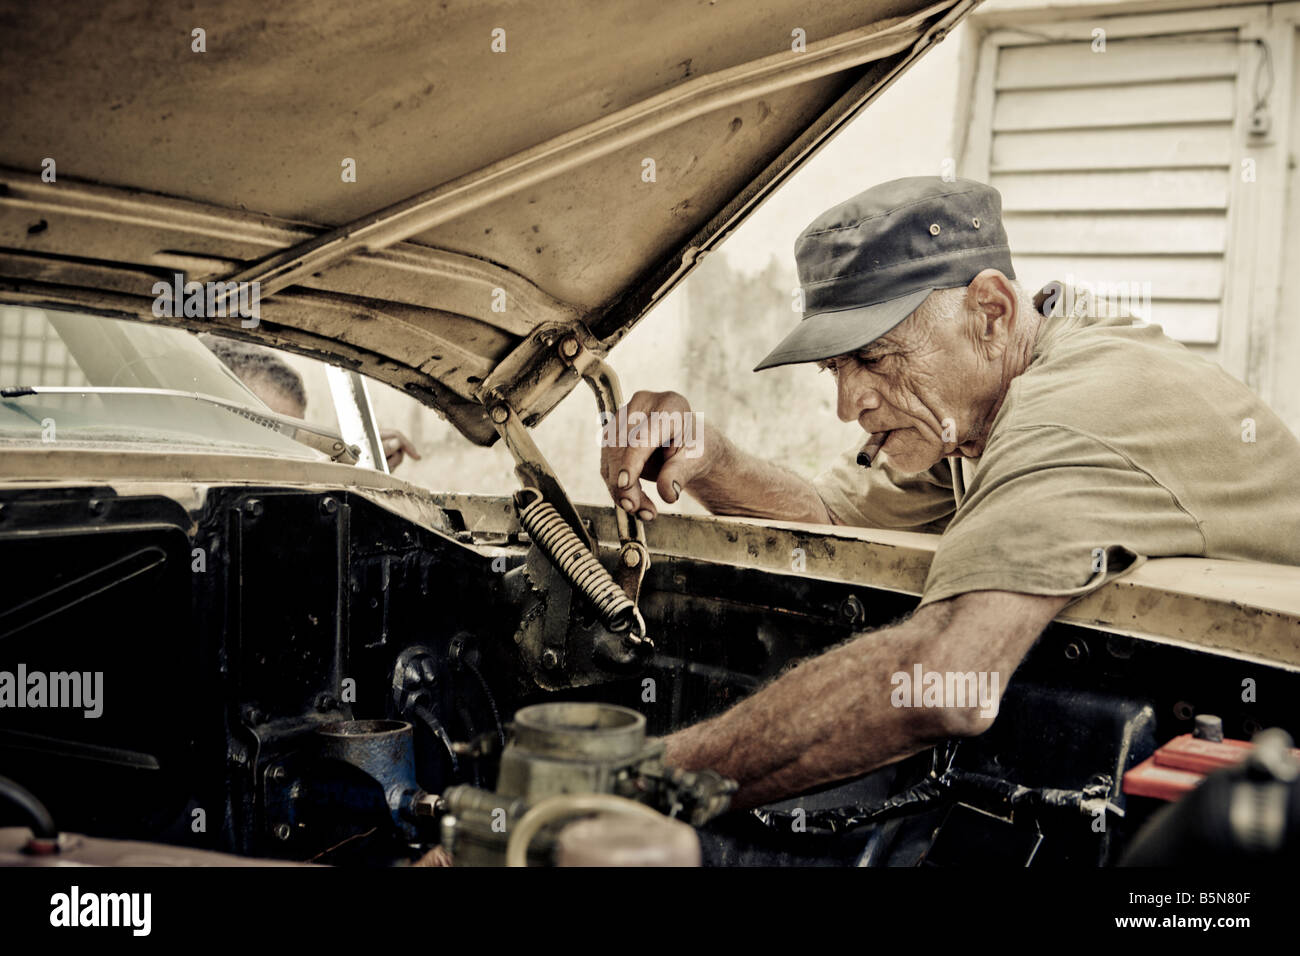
point(1116, 444)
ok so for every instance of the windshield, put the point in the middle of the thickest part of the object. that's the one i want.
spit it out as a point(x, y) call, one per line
point(43, 348)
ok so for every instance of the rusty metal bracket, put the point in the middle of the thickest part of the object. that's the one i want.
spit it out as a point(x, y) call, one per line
point(532, 468)
point(547, 355)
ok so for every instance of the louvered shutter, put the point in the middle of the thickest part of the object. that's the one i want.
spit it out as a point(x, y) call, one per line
point(1115, 168)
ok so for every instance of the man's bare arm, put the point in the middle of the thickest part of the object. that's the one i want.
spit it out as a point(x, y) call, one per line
point(722, 477)
point(743, 484)
point(831, 717)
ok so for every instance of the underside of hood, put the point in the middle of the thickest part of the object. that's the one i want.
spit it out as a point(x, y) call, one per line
point(439, 195)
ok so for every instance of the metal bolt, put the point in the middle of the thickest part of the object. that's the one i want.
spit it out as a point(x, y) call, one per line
point(550, 659)
point(1119, 647)
point(253, 507)
point(281, 831)
point(329, 506)
point(851, 609)
point(1072, 652)
point(1208, 727)
point(569, 347)
point(631, 557)
point(96, 506)
point(276, 773)
point(500, 414)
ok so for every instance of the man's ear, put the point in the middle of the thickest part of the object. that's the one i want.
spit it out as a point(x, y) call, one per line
point(992, 301)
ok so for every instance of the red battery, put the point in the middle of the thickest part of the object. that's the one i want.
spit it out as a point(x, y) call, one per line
point(1181, 765)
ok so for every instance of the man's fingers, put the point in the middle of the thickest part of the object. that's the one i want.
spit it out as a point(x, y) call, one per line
point(639, 444)
point(396, 447)
point(395, 440)
point(625, 465)
point(675, 475)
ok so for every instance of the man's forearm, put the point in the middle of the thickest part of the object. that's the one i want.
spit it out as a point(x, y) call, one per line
point(828, 719)
point(743, 484)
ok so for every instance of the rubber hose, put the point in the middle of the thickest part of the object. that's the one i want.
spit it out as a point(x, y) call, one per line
point(38, 818)
point(566, 804)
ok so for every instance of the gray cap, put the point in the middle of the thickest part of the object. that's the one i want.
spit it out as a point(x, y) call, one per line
point(868, 263)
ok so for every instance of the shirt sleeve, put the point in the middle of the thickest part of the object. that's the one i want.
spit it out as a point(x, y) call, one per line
point(1055, 511)
point(883, 497)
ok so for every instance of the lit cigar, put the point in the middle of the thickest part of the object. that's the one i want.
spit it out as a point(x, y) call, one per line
point(869, 450)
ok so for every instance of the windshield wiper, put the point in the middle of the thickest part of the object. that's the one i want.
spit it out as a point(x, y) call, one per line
point(313, 436)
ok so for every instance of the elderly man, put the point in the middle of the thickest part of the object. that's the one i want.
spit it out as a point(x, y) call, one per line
point(1054, 453)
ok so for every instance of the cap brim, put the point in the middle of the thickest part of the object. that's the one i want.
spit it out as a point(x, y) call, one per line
point(828, 334)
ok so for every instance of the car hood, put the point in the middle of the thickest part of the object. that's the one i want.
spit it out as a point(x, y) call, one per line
point(433, 194)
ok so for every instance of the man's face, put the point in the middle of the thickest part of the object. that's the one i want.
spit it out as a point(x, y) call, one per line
point(922, 382)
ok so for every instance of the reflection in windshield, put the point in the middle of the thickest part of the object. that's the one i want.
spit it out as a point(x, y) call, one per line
point(41, 347)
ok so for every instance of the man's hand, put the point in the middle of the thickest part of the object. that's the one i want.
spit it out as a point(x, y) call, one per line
point(705, 463)
point(833, 716)
point(396, 447)
point(664, 457)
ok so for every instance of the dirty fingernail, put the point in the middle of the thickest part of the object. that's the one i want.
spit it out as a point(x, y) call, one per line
point(626, 504)
point(677, 489)
point(644, 514)
point(623, 479)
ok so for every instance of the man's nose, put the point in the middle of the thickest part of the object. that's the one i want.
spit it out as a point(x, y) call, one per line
point(855, 395)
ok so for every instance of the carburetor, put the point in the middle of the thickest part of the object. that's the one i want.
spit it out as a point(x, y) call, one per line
point(565, 760)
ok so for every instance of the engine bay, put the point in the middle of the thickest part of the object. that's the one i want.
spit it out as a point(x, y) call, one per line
point(316, 676)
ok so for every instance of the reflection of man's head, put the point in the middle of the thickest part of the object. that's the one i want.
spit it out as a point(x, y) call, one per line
point(267, 375)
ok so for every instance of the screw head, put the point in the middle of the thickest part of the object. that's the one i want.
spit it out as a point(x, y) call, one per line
point(569, 347)
point(851, 609)
point(281, 831)
point(550, 659)
point(499, 414)
point(253, 507)
point(631, 557)
point(329, 505)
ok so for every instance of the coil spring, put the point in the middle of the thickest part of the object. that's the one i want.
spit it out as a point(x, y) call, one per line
point(575, 562)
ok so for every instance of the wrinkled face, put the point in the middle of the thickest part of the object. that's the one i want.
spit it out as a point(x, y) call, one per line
point(925, 383)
